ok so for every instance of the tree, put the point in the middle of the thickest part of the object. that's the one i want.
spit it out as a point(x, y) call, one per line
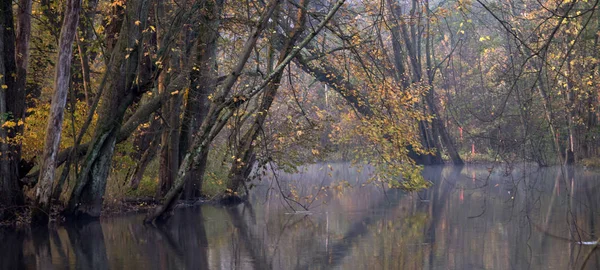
point(215, 121)
point(61, 88)
point(243, 160)
point(12, 100)
point(87, 197)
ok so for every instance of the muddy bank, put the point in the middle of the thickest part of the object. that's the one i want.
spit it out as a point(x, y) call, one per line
point(21, 216)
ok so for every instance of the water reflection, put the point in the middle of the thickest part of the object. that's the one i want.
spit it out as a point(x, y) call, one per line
point(474, 217)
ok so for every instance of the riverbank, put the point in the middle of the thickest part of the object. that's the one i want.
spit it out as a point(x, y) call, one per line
point(22, 214)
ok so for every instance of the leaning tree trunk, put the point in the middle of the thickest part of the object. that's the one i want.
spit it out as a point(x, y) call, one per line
point(53, 131)
point(245, 151)
point(244, 157)
point(87, 196)
point(140, 168)
point(406, 34)
point(437, 125)
point(214, 121)
point(211, 126)
point(147, 146)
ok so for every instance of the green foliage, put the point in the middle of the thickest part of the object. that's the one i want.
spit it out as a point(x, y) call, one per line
point(593, 162)
point(217, 169)
point(147, 187)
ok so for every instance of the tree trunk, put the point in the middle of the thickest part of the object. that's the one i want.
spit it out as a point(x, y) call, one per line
point(244, 157)
point(214, 121)
point(83, 42)
point(139, 117)
point(203, 83)
point(165, 175)
point(438, 127)
point(16, 95)
point(169, 154)
point(146, 158)
point(146, 146)
point(87, 196)
point(53, 131)
point(10, 191)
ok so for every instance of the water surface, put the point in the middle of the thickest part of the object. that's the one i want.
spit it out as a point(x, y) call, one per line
point(474, 217)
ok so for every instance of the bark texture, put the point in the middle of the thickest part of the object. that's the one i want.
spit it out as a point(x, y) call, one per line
point(215, 120)
point(10, 104)
point(242, 166)
point(59, 100)
point(203, 83)
point(87, 196)
point(212, 124)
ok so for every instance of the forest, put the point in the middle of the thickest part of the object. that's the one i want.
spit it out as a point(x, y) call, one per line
point(174, 101)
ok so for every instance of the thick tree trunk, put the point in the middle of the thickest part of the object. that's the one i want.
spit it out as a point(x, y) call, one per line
point(165, 172)
point(10, 191)
point(53, 131)
point(16, 95)
point(175, 122)
point(203, 83)
point(87, 196)
point(169, 154)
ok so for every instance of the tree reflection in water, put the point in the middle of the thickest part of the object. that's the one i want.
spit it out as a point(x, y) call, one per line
point(469, 219)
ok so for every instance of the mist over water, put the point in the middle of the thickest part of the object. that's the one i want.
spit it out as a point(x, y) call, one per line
point(473, 217)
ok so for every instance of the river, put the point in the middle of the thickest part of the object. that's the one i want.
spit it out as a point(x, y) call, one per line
point(473, 217)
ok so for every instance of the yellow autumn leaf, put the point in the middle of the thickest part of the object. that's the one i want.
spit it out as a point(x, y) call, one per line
point(9, 124)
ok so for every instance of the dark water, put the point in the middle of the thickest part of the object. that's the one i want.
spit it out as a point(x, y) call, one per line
point(469, 219)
